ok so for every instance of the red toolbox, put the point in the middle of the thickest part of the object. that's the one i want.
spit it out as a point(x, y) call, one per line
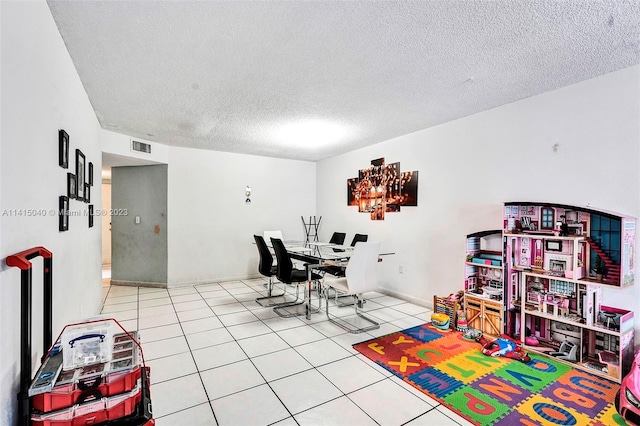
point(101, 380)
point(66, 395)
point(106, 393)
point(92, 412)
point(116, 394)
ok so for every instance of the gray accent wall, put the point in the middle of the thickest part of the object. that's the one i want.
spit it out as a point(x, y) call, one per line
point(139, 250)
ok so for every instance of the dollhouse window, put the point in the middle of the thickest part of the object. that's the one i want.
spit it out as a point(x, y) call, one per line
point(605, 231)
point(561, 287)
point(546, 218)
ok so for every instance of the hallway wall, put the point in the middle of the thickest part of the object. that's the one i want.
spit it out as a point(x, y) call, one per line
point(41, 93)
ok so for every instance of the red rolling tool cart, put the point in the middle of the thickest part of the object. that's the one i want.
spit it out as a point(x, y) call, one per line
point(95, 373)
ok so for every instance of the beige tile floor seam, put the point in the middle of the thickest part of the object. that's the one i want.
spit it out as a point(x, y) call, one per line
point(207, 367)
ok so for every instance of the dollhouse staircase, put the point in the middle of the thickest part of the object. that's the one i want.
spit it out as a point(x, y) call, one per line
point(613, 269)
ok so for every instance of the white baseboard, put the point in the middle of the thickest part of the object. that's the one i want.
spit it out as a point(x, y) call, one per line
point(213, 280)
point(408, 298)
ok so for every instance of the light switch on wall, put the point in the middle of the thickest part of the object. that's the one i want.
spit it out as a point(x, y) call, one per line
point(137, 220)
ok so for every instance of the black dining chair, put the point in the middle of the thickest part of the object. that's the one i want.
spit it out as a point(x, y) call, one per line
point(269, 270)
point(334, 269)
point(287, 274)
point(359, 237)
point(338, 238)
point(267, 235)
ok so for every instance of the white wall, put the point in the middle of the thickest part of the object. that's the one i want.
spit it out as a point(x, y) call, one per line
point(469, 167)
point(211, 227)
point(41, 93)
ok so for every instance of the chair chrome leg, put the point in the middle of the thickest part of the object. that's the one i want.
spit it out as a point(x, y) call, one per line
point(284, 302)
point(270, 286)
point(346, 325)
point(340, 297)
point(297, 309)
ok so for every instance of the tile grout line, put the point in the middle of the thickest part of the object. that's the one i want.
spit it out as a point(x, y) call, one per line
point(313, 367)
point(204, 388)
point(256, 368)
point(276, 333)
point(316, 368)
point(268, 383)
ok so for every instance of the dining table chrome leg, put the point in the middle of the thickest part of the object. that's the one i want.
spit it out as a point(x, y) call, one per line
point(307, 297)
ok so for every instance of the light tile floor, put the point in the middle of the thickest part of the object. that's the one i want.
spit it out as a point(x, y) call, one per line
point(219, 358)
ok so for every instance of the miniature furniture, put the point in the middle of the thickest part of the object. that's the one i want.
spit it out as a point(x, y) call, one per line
point(552, 284)
point(546, 285)
point(484, 315)
point(483, 285)
point(567, 351)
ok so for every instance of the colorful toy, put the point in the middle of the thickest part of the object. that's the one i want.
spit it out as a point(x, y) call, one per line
point(440, 321)
point(457, 297)
point(628, 397)
point(530, 339)
point(461, 321)
point(472, 334)
point(503, 346)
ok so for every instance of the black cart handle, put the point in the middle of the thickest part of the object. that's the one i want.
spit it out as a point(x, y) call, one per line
point(86, 336)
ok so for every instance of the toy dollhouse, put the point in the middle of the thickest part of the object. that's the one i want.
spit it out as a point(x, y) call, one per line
point(547, 286)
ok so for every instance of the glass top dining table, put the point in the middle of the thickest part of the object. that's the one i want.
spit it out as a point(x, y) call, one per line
point(316, 254)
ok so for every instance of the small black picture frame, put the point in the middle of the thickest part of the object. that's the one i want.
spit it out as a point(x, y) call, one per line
point(63, 149)
point(72, 186)
point(553, 245)
point(90, 177)
point(63, 213)
point(80, 174)
point(90, 215)
point(87, 193)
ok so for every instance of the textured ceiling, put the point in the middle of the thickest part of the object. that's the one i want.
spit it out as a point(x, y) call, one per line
point(226, 75)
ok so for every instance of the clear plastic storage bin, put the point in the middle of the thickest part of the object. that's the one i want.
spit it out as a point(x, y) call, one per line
point(87, 344)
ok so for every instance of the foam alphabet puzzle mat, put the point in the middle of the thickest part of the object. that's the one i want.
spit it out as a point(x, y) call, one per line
point(493, 390)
